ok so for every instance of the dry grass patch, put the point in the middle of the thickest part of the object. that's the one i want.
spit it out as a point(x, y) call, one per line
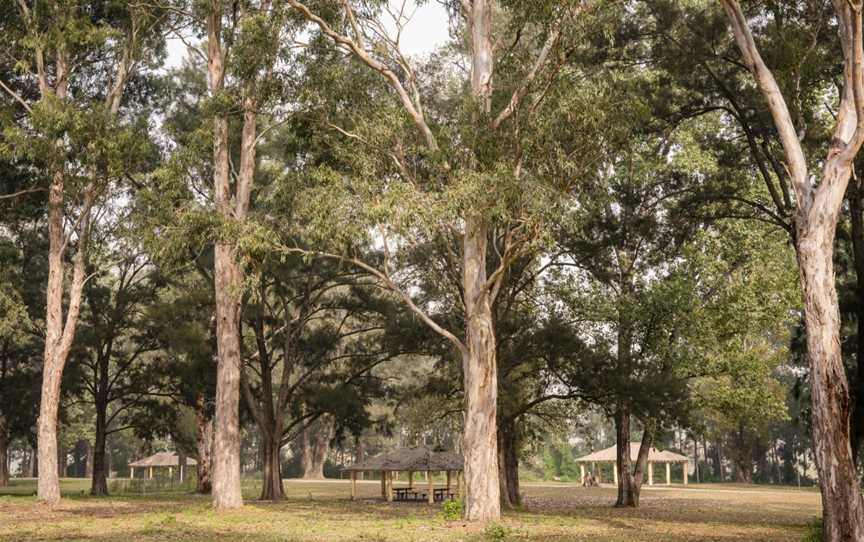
point(321, 512)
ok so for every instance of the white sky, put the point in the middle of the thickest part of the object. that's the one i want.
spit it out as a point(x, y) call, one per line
point(427, 30)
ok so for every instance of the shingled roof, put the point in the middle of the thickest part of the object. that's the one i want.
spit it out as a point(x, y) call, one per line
point(162, 459)
point(410, 459)
point(654, 455)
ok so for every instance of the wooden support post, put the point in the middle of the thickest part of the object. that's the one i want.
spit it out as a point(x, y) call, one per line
point(448, 482)
point(383, 485)
point(686, 468)
point(459, 484)
point(411, 479)
point(582, 473)
point(170, 473)
point(181, 471)
point(668, 475)
point(389, 487)
point(615, 472)
point(650, 474)
point(430, 497)
point(353, 485)
point(151, 473)
point(131, 472)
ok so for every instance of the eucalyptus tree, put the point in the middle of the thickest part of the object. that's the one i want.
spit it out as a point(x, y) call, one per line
point(460, 177)
point(816, 215)
point(242, 51)
point(80, 135)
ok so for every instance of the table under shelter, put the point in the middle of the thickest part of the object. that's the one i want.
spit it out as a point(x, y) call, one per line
point(413, 460)
point(655, 456)
point(161, 461)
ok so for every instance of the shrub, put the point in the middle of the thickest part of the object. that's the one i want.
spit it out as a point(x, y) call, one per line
point(452, 510)
point(814, 531)
point(496, 532)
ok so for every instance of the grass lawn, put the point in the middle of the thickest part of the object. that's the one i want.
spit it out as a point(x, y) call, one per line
point(321, 511)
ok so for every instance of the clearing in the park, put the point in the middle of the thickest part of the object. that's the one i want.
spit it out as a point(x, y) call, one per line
point(323, 512)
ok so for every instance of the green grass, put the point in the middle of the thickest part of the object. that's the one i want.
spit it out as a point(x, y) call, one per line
point(321, 511)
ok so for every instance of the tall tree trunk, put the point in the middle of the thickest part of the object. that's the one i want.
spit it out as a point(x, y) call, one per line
point(4, 456)
point(33, 467)
point(204, 444)
point(855, 194)
point(842, 504)
point(483, 493)
point(508, 464)
point(818, 211)
point(641, 463)
point(272, 488)
point(58, 341)
point(622, 456)
point(99, 484)
point(226, 441)
point(629, 476)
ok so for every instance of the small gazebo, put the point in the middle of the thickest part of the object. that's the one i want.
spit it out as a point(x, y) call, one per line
point(161, 460)
point(609, 455)
point(411, 460)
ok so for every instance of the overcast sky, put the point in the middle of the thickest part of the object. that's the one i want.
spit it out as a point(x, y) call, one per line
point(426, 31)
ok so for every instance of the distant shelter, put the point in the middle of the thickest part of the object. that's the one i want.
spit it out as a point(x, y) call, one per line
point(655, 456)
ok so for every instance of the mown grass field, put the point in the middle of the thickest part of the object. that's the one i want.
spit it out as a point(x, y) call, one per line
point(322, 512)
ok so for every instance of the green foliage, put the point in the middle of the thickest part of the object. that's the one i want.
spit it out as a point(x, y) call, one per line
point(814, 531)
point(495, 532)
point(451, 510)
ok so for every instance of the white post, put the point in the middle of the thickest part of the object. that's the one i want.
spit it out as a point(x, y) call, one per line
point(181, 472)
point(668, 475)
point(615, 472)
point(151, 473)
point(131, 473)
point(582, 473)
point(353, 485)
point(650, 474)
point(686, 468)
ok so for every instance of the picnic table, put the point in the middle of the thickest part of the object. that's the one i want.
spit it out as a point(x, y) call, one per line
point(439, 494)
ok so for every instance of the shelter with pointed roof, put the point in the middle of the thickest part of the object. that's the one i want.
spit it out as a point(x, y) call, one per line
point(161, 460)
point(609, 455)
point(411, 460)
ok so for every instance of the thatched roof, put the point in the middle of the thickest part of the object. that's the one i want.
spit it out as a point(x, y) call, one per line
point(162, 459)
point(410, 459)
point(654, 455)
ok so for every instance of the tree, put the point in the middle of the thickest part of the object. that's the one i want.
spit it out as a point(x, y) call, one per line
point(817, 213)
point(69, 127)
point(463, 179)
point(114, 344)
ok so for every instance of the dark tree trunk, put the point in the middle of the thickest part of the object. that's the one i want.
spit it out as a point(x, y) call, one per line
point(4, 457)
point(629, 477)
point(272, 489)
point(622, 456)
point(508, 464)
point(99, 484)
point(856, 211)
point(204, 444)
